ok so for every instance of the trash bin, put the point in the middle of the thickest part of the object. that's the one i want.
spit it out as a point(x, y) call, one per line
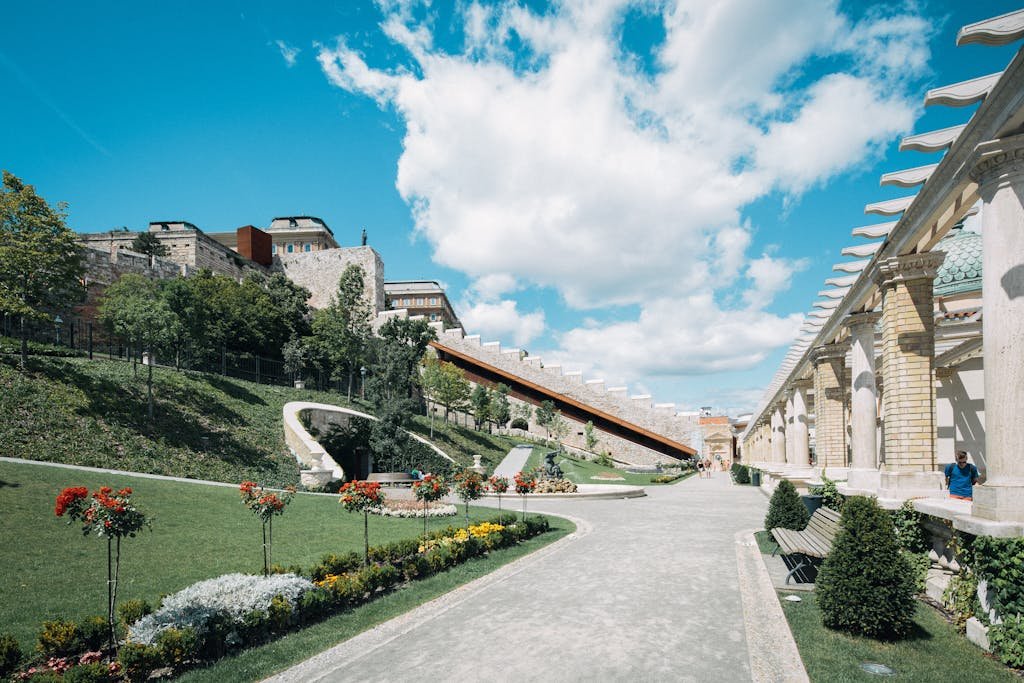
point(812, 501)
point(755, 477)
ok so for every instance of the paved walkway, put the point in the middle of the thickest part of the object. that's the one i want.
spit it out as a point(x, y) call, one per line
point(513, 462)
point(647, 589)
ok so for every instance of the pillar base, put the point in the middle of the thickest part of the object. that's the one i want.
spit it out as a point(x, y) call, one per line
point(900, 486)
point(837, 473)
point(999, 503)
point(866, 480)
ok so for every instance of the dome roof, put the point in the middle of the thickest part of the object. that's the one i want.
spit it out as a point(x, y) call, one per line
point(961, 270)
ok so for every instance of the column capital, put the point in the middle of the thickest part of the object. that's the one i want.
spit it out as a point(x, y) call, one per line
point(908, 268)
point(828, 352)
point(802, 384)
point(858, 320)
point(944, 373)
point(997, 159)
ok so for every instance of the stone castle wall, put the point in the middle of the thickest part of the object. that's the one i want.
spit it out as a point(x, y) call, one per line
point(191, 248)
point(319, 272)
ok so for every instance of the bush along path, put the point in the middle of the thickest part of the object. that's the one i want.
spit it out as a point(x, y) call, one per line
point(220, 616)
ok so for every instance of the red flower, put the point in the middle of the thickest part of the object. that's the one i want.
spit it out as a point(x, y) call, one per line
point(68, 497)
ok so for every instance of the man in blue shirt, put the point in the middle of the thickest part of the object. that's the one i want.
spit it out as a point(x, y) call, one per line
point(961, 477)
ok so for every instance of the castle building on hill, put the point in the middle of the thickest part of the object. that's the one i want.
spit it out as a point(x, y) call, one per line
point(421, 297)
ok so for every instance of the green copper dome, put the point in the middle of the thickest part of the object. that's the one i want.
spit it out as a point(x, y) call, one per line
point(961, 271)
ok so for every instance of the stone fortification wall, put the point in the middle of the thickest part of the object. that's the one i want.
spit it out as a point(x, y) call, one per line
point(188, 247)
point(319, 272)
point(639, 410)
point(103, 268)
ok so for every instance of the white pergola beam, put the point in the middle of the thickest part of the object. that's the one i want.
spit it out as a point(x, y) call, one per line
point(862, 250)
point(996, 31)
point(908, 177)
point(834, 293)
point(850, 266)
point(963, 93)
point(842, 281)
point(827, 305)
point(874, 231)
point(934, 141)
point(890, 207)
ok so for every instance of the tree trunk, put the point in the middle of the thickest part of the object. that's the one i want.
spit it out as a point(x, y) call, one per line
point(24, 344)
point(149, 386)
point(350, 377)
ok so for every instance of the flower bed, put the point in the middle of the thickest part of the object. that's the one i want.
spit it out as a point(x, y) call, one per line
point(555, 486)
point(413, 508)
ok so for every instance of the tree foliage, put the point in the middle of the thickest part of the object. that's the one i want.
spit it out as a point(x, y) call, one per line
point(445, 384)
point(342, 331)
point(149, 244)
point(545, 414)
point(785, 509)
point(40, 262)
point(394, 374)
point(865, 586)
point(480, 400)
point(500, 410)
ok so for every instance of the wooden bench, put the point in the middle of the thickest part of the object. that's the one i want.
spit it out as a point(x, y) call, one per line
point(391, 478)
point(814, 542)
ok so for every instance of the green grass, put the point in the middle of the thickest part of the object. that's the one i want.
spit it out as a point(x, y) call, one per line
point(206, 427)
point(580, 471)
point(934, 652)
point(199, 531)
point(765, 542)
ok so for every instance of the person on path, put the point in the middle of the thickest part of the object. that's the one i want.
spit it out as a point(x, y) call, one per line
point(961, 477)
point(700, 469)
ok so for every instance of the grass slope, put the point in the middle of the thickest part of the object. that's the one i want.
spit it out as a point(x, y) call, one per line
point(74, 411)
point(198, 531)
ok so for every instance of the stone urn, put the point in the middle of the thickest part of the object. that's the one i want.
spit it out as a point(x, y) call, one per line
point(477, 467)
point(300, 384)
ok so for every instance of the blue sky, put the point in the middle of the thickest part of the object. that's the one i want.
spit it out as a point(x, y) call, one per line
point(652, 192)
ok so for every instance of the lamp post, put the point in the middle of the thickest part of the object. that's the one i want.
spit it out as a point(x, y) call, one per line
point(362, 382)
point(57, 322)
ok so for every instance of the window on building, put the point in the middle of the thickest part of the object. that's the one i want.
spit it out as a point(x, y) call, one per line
point(307, 247)
point(273, 248)
point(419, 301)
point(407, 302)
point(291, 247)
point(433, 301)
point(433, 317)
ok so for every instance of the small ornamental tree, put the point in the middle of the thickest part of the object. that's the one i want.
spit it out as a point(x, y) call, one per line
point(429, 489)
point(742, 475)
point(498, 485)
point(360, 496)
point(865, 586)
point(785, 509)
point(526, 482)
point(469, 486)
point(108, 515)
point(265, 506)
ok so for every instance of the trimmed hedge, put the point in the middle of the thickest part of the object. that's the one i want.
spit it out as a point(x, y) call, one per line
point(786, 510)
point(866, 586)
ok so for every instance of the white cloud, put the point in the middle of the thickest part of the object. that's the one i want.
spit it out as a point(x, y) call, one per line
point(502, 321)
point(289, 52)
point(539, 157)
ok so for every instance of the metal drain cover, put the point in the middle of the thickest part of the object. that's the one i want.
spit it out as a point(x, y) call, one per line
point(877, 669)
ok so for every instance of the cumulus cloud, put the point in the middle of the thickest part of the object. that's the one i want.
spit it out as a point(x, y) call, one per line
point(290, 53)
point(536, 155)
point(502, 320)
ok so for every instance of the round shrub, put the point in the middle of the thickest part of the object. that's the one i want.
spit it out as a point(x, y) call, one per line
point(131, 611)
point(785, 509)
point(865, 585)
point(10, 654)
point(742, 475)
point(58, 638)
point(97, 672)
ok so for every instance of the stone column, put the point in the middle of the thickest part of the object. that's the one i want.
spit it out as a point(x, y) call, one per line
point(829, 404)
point(999, 172)
point(908, 359)
point(778, 436)
point(801, 431)
point(790, 431)
point(864, 473)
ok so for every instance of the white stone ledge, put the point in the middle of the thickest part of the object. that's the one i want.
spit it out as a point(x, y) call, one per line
point(963, 93)
point(932, 141)
point(1000, 30)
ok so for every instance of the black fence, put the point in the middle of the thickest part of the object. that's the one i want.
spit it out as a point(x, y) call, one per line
point(87, 339)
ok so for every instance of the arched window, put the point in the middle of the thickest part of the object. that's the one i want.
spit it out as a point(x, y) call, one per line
point(307, 247)
point(273, 248)
point(291, 247)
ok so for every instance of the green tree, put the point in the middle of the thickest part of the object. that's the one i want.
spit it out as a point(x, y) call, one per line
point(445, 384)
point(342, 331)
point(296, 357)
point(394, 374)
point(148, 243)
point(866, 586)
point(132, 308)
point(785, 509)
point(558, 428)
point(192, 315)
point(589, 438)
point(40, 262)
point(522, 413)
point(545, 414)
point(480, 400)
point(500, 411)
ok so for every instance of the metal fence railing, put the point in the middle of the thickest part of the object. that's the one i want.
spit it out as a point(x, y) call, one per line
point(87, 339)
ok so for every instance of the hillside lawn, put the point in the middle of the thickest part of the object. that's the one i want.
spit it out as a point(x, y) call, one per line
point(199, 531)
point(93, 413)
point(581, 471)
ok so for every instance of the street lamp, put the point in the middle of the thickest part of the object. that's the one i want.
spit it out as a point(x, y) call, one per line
point(362, 382)
point(57, 322)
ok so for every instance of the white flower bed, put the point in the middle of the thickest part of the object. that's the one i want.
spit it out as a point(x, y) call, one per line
point(417, 511)
point(233, 595)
